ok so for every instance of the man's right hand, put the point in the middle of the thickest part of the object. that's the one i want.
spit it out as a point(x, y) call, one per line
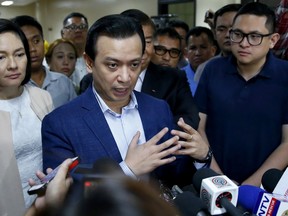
point(146, 157)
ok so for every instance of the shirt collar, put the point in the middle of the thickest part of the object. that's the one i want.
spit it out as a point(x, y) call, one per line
point(133, 104)
point(142, 75)
point(266, 70)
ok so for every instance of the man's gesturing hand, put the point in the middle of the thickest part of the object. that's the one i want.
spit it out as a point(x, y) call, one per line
point(146, 157)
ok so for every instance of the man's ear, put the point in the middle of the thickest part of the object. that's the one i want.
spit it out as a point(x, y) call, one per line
point(274, 38)
point(89, 62)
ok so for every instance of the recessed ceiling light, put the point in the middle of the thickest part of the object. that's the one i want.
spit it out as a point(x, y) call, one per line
point(7, 3)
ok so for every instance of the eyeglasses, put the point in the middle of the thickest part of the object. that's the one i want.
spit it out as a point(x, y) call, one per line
point(254, 39)
point(161, 50)
point(74, 27)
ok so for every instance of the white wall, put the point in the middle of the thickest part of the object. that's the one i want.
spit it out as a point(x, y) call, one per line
point(52, 12)
point(10, 12)
point(203, 5)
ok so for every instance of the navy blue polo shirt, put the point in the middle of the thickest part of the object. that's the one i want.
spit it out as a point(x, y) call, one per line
point(244, 118)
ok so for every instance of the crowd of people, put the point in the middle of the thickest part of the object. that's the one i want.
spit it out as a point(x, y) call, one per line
point(159, 102)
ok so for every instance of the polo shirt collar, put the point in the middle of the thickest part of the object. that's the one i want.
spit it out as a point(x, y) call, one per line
point(266, 70)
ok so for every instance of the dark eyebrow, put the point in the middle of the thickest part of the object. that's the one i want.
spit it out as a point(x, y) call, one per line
point(252, 32)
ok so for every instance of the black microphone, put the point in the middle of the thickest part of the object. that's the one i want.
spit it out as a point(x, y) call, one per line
point(218, 192)
point(189, 204)
point(201, 174)
point(271, 178)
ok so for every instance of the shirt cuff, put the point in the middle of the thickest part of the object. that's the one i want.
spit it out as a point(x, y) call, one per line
point(127, 170)
point(199, 165)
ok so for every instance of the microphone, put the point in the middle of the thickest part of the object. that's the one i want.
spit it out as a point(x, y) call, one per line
point(189, 204)
point(270, 179)
point(218, 192)
point(260, 202)
point(275, 181)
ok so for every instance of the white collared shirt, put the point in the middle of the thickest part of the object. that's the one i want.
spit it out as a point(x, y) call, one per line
point(139, 82)
point(123, 126)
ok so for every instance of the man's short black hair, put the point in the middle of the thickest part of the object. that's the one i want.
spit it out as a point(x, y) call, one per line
point(140, 17)
point(113, 26)
point(74, 14)
point(198, 30)
point(176, 23)
point(168, 31)
point(25, 20)
point(225, 9)
point(259, 9)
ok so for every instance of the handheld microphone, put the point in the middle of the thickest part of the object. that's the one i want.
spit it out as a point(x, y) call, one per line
point(262, 203)
point(218, 192)
point(270, 179)
point(189, 204)
point(281, 185)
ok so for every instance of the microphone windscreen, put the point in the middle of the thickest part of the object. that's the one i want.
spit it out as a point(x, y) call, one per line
point(270, 179)
point(201, 174)
point(189, 204)
point(248, 196)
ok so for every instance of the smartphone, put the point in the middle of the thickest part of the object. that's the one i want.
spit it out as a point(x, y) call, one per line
point(40, 188)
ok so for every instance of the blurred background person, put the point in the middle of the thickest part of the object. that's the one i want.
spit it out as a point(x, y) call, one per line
point(75, 27)
point(201, 46)
point(182, 28)
point(58, 85)
point(22, 108)
point(61, 56)
point(167, 47)
point(223, 19)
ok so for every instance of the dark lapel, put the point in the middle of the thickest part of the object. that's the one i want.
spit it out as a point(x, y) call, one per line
point(151, 80)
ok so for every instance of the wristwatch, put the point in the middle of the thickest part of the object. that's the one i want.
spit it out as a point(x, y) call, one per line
point(208, 157)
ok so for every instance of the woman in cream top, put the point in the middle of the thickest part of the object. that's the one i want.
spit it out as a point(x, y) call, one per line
point(22, 109)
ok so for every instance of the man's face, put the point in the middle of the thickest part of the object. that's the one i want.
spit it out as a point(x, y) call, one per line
point(172, 48)
point(36, 46)
point(222, 27)
point(199, 50)
point(75, 30)
point(245, 53)
point(116, 68)
point(149, 49)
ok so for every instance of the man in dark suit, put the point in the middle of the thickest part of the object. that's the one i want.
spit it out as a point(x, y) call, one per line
point(111, 120)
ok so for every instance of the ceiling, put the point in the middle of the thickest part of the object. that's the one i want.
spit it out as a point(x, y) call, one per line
point(21, 2)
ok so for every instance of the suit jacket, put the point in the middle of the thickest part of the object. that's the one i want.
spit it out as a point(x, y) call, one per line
point(79, 128)
point(171, 85)
point(10, 184)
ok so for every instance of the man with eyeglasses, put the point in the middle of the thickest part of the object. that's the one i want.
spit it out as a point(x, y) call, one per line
point(243, 100)
point(167, 47)
point(182, 28)
point(75, 27)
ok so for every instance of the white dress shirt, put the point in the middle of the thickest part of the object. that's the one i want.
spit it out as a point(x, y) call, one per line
point(123, 126)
